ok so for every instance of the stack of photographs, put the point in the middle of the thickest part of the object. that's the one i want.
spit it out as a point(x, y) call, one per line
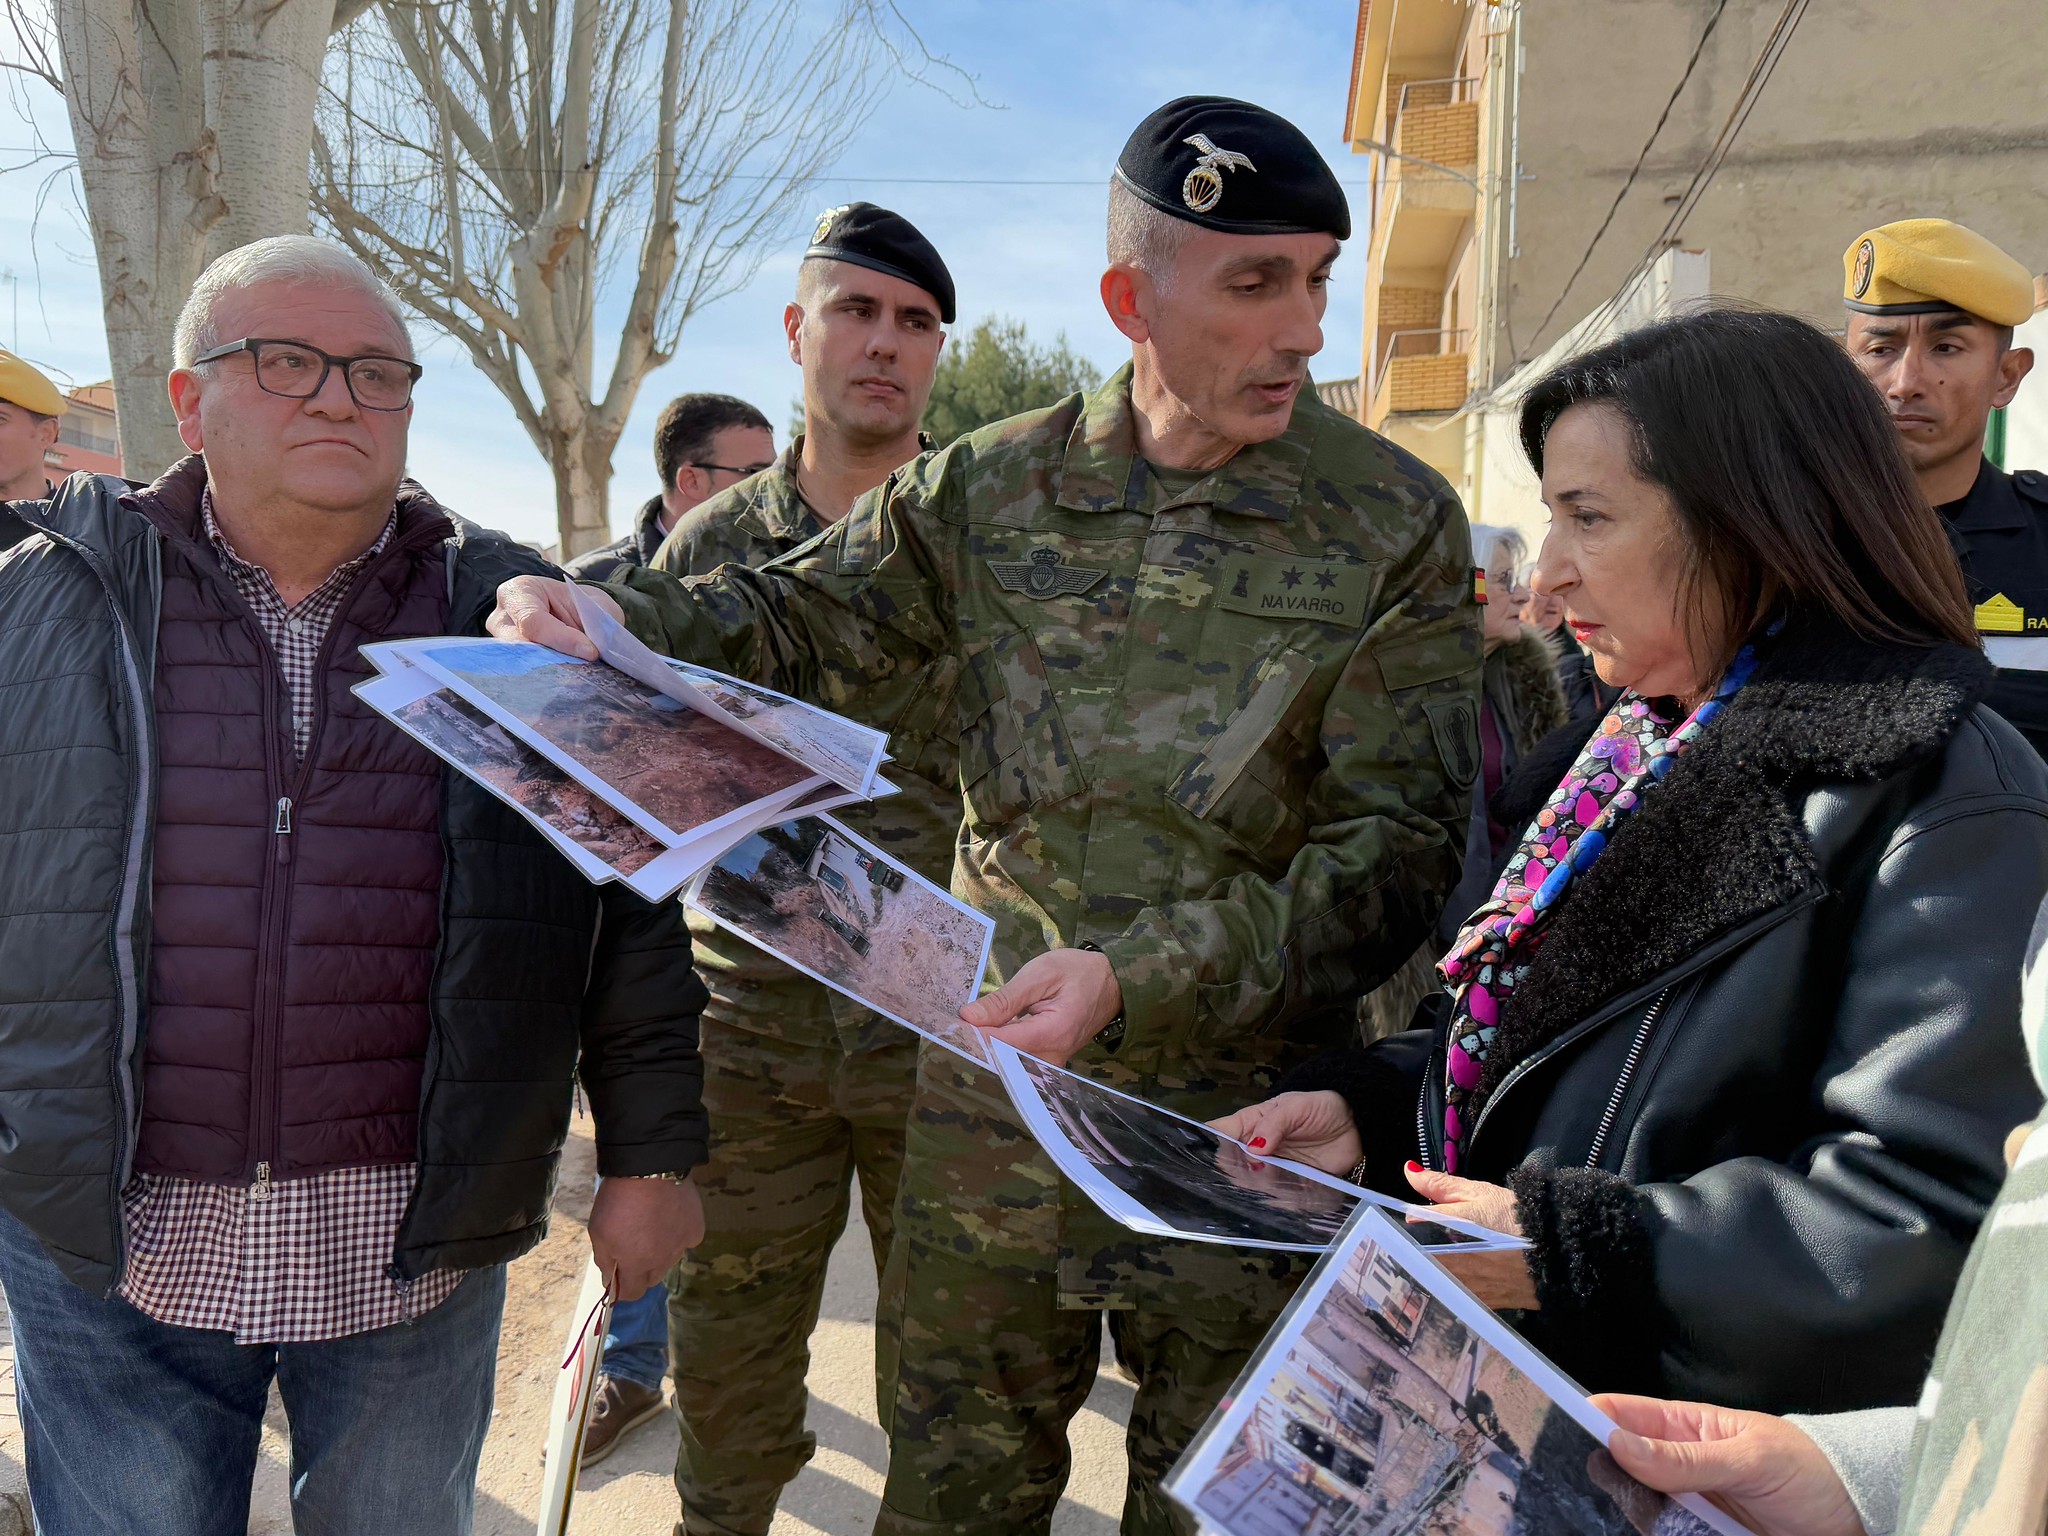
point(632, 783)
point(1165, 1174)
point(843, 912)
point(1388, 1399)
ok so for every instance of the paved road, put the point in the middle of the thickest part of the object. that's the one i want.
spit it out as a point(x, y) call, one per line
point(630, 1494)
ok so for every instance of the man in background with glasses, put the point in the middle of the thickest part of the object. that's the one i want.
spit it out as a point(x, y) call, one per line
point(287, 1011)
point(703, 444)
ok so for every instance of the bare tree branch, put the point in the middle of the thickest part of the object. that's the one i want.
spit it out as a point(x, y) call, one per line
point(516, 169)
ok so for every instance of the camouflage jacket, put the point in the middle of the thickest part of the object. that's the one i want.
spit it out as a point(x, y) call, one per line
point(751, 523)
point(630, 551)
point(1226, 735)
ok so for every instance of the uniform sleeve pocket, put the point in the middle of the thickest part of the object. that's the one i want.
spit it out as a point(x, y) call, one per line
point(1432, 681)
point(1248, 777)
point(1015, 754)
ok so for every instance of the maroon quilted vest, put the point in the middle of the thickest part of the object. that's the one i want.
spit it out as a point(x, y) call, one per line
point(296, 904)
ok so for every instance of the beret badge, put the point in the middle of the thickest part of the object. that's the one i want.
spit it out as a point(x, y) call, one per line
point(1866, 262)
point(1203, 187)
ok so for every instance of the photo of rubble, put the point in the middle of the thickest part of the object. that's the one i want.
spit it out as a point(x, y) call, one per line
point(814, 895)
point(455, 729)
point(1374, 1410)
point(667, 766)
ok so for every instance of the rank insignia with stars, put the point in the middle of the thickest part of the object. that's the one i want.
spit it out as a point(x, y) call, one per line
point(1044, 574)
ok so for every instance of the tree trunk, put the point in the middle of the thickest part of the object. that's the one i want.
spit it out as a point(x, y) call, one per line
point(193, 125)
point(581, 459)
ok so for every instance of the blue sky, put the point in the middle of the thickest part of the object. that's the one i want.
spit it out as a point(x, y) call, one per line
point(1068, 80)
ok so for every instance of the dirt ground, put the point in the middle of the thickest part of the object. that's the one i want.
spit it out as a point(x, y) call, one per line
point(630, 1493)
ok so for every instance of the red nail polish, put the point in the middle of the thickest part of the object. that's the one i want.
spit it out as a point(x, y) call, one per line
point(1257, 1141)
point(1413, 1166)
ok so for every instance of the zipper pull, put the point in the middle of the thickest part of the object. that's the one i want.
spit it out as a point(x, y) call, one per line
point(283, 828)
point(261, 1189)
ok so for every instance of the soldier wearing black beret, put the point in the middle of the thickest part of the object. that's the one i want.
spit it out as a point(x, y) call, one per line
point(1207, 651)
point(1932, 306)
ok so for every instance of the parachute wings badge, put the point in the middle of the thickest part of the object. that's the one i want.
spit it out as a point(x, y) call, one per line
point(1044, 574)
point(1203, 188)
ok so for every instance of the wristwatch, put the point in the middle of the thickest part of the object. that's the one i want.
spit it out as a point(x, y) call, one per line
point(1111, 1036)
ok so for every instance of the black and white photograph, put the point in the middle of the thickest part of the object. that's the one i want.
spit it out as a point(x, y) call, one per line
point(1159, 1172)
point(837, 908)
point(1388, 1401)
point(674, 770)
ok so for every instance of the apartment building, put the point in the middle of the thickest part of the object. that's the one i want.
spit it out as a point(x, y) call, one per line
point(1501, 133)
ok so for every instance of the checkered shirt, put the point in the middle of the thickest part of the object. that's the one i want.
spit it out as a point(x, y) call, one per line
point(298, 1260)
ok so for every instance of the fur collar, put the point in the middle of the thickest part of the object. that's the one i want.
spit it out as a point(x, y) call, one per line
point(1721, 841)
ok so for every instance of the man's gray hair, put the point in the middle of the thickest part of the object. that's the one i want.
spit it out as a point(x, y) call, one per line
point(1141, 236)
point(1489, 539)
point(279, 259)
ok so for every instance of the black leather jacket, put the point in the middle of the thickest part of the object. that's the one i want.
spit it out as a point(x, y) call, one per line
point(1752, 1094)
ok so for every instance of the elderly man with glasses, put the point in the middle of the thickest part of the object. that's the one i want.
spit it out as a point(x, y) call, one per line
point(289, 1015)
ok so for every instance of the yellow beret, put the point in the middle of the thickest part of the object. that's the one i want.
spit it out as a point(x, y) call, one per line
point(1926, 266)
point(25, 387)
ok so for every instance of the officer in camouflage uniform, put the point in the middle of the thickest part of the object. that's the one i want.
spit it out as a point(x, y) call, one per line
point(1211, 650)
point(805, 1090)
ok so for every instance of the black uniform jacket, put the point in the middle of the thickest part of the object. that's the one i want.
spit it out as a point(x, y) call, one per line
point(1752, 1094)
point(2000, 531)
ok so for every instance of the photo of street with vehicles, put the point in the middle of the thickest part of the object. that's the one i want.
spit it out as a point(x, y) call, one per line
point(813, 894)
point(1375, 1410)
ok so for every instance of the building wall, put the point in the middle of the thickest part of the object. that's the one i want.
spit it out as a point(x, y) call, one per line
point(1876, 111)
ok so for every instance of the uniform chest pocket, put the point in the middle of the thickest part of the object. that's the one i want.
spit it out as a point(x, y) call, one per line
point(1252, 774)
point(1015, 752)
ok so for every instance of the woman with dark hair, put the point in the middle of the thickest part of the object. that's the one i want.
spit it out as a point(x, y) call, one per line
point(1735, 1040)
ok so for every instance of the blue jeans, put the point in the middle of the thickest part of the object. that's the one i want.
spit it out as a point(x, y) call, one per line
point(139, 1428)
point(636, 1349)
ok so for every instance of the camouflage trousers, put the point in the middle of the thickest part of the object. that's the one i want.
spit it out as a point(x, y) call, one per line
point(1003, 1274)
point(794, 1123)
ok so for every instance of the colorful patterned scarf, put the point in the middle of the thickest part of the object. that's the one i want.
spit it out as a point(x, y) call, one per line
point(1634, 747)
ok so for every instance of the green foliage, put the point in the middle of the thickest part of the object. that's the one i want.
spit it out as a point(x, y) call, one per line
point(995, 371)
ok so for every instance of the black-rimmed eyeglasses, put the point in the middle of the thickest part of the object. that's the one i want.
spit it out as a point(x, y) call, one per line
point(299, 372)
point(733, 469)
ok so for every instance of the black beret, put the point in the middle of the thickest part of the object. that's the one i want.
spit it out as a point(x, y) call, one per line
point(1231, 166)
point(882, 241)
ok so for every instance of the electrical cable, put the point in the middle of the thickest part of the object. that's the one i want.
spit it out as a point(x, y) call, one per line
point(1759, 76)
point(1635, 170)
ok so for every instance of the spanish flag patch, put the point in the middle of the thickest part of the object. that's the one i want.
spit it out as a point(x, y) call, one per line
point(1479, 585)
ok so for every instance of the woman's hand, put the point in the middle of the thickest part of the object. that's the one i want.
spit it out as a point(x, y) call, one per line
point(1765, 1472)
point(1501, 1280)
point(1487, 1204)
point(1313, 1128)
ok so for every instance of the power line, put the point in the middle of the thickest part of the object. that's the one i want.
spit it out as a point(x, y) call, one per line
point(1635, 170)
point(1745, 102)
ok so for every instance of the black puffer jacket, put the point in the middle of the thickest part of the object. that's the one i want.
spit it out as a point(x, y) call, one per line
point(1752, 1094)
point(535, 968)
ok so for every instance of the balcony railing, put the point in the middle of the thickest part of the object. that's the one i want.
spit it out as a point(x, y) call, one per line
point(1437, 93)
point(1421, 372)
point(1423, 343)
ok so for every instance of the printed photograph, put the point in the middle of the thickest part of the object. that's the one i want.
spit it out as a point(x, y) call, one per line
point(667, 766)
point(823, 742)
point(1194, 1182)
point(454, 728)
point(812, 894)
point(1373, 1410)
